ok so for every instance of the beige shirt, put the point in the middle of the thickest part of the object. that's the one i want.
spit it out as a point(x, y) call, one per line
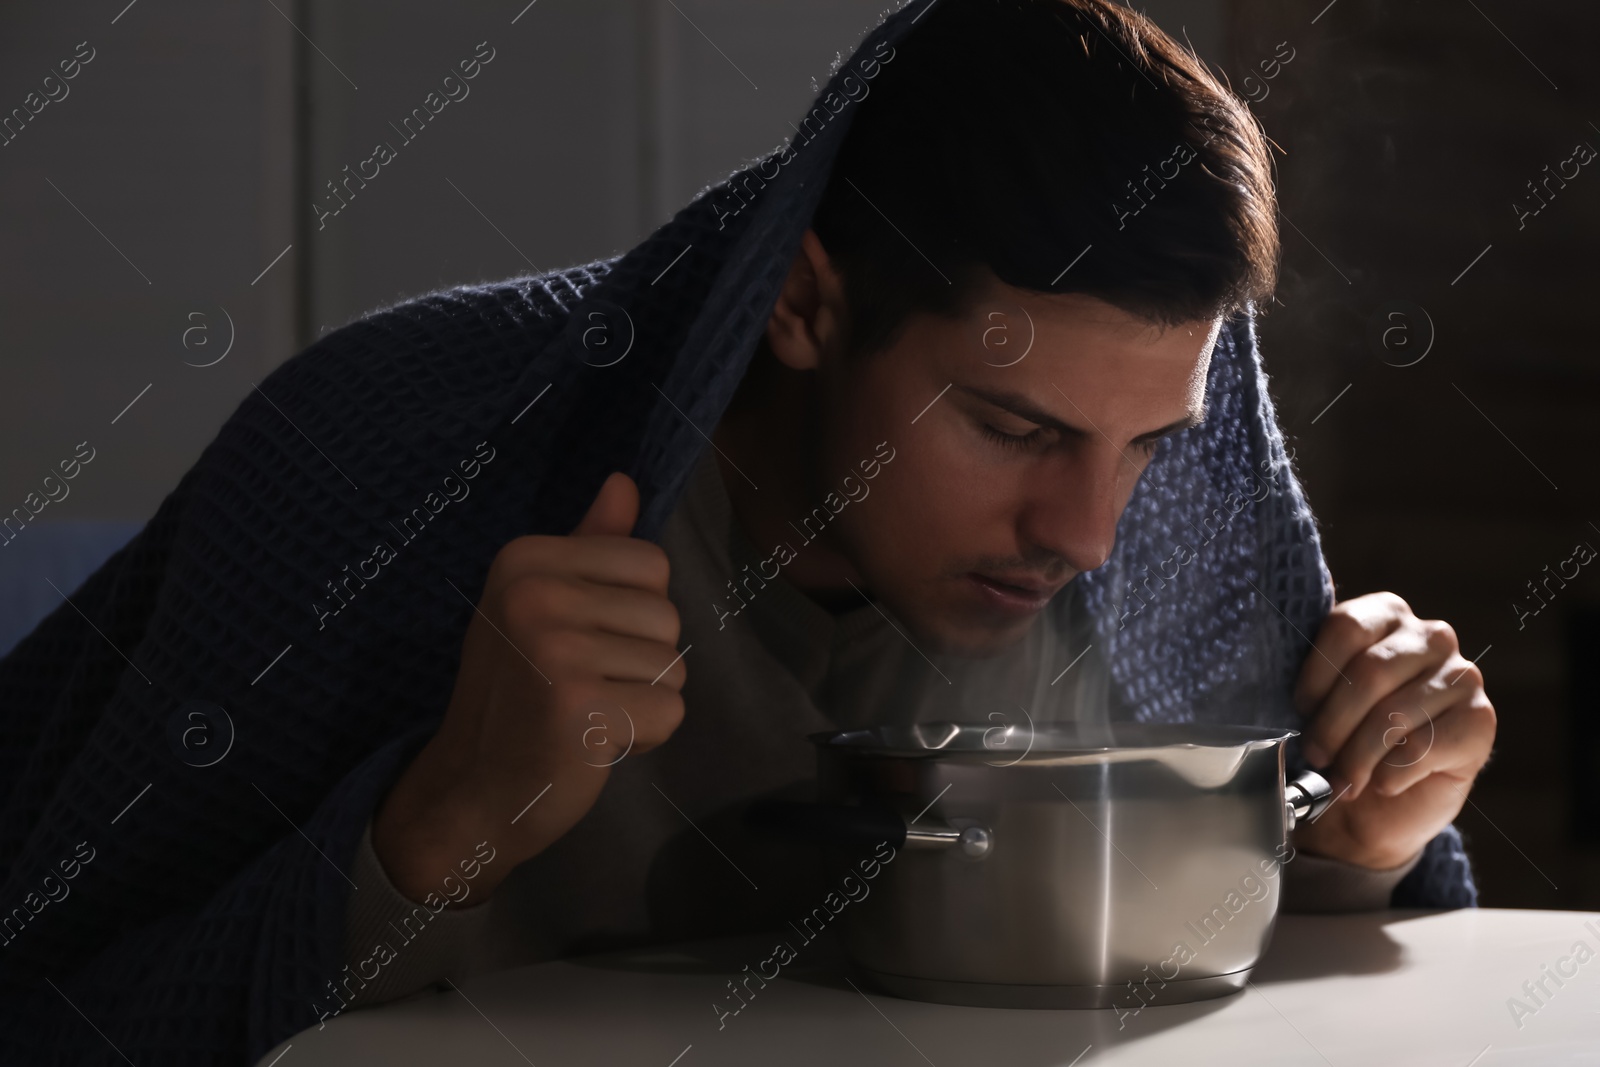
point(664, 856)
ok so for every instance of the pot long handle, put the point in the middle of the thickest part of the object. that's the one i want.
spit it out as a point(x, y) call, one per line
point(865, 825)
point(1307, 796)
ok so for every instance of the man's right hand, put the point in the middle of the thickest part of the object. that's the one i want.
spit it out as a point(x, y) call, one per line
point(570, 644)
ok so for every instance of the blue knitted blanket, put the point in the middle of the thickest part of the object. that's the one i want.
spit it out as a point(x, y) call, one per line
point(190, 749)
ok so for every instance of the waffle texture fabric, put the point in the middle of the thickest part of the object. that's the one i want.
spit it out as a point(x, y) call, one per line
point(203, 915)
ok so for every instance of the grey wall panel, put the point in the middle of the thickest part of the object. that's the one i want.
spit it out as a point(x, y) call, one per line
point(593, 124)
point(535, 167)
point(154, 189)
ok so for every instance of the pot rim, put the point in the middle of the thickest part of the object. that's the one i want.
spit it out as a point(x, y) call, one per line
point(962, 740)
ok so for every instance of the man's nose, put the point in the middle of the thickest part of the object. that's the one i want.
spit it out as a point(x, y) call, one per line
point(1073, 508)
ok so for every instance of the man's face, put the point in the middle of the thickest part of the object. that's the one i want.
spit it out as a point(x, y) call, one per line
point(1019, 432)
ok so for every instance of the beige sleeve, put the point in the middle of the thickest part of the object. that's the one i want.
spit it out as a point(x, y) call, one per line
point(394, 946)
point(1321, 884)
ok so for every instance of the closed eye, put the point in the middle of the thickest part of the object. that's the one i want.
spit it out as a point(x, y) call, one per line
point(1012, 440)
point(1031, 438)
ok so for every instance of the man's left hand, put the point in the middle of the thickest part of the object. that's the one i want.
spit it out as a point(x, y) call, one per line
point(1401, 722)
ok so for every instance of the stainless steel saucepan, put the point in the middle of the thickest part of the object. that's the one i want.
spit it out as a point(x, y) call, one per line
point(1057, 868)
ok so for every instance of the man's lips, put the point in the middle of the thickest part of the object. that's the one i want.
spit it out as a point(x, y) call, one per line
point(1016, 594)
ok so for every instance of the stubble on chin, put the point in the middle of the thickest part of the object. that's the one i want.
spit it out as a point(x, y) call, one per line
point(966, 638)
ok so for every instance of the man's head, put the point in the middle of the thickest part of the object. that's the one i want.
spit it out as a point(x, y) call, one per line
point(1019, 431)
point(1036, 227)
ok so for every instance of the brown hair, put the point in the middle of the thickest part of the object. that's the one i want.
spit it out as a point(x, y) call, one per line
point(1009, 136)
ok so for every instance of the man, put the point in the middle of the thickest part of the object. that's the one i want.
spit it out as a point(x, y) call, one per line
point(1000, 430)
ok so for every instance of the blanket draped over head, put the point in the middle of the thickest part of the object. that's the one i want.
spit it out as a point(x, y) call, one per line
point(191, 748)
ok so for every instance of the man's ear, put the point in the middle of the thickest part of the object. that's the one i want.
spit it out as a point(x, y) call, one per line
point(808, 318)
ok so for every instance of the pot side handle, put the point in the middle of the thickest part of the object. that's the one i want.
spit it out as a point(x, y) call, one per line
point(1306, 796)
point(864, 826)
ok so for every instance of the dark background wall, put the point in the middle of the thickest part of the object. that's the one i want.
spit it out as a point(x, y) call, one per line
point(164, 207)
point(1455, 477)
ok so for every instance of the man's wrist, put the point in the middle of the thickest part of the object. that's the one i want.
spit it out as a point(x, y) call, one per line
point(1316, 883)
point(1372, 859)
point(423, 835)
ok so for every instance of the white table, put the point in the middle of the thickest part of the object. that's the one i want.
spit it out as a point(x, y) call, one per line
point(1411, 988)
